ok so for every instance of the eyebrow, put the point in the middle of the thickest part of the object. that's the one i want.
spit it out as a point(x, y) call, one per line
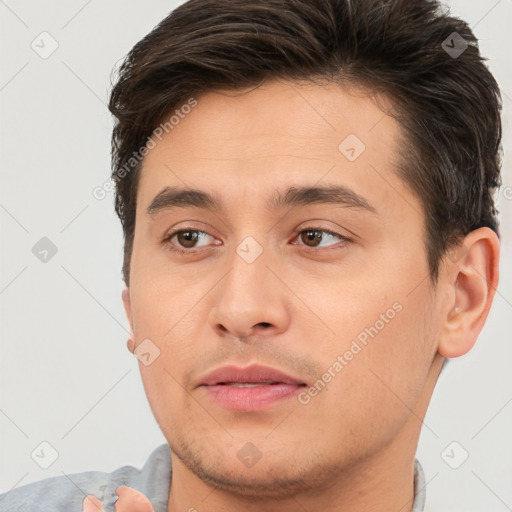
point(175, 197)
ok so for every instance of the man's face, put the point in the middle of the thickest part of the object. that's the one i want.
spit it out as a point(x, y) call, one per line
point(259, 281)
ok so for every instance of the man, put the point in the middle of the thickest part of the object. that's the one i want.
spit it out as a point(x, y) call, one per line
point(306, 192)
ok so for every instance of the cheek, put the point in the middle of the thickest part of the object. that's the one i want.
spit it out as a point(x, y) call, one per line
point(163, 320)
point(163, 382)
point(162, 297)
point(380, 354)
point(390, 361)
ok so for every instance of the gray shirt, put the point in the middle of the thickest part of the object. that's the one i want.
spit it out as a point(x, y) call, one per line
point(66, 493)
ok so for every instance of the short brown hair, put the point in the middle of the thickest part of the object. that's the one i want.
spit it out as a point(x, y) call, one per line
point(447, 102)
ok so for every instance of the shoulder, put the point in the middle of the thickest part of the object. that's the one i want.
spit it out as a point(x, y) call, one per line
point(66, 493)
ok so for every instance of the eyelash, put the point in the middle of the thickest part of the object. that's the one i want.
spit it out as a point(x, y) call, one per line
point(167, 239)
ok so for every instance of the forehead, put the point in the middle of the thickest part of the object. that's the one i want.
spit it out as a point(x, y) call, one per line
point(285, 113)
point(282, 133)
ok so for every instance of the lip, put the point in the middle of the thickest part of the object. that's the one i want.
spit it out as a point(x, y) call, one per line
point(271, 386)
point(254, 373)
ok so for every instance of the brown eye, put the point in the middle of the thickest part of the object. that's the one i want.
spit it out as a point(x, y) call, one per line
point(315, 237)
point(311, 237)
point(187, 239)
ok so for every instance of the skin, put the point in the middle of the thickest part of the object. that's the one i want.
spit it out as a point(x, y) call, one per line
point(296, 307)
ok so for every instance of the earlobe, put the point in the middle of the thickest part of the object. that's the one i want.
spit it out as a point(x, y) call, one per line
point(473, 281)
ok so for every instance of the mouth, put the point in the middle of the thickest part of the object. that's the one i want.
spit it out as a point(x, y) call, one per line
point(256, 375)
point(247, 384)
point(253, 388)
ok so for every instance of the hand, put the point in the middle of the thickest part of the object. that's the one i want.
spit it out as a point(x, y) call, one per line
point(129, 500)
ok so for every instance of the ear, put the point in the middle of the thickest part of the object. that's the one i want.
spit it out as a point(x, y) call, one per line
point(472, 271)
point(128, 310)
point(127, 305)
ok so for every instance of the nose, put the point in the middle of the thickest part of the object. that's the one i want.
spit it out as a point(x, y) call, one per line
point(251, 300)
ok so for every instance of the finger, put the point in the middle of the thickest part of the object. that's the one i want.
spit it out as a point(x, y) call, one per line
point(131, 500)
point(91, 504)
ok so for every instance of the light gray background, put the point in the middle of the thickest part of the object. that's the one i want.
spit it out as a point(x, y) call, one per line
point(66, 376)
